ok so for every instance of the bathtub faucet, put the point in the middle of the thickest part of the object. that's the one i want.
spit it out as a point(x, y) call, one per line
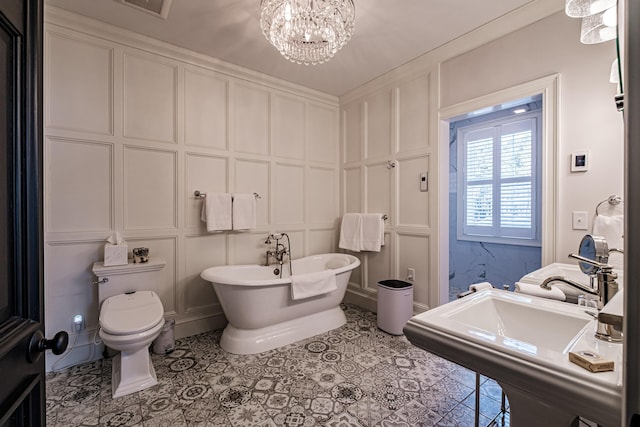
point(278, 252)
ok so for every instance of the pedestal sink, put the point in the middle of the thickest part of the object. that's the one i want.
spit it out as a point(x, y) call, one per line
point(523, 343)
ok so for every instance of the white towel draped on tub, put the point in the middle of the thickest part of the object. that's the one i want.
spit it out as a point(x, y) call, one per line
point(216, 211)
point(244, 211)
point(312, 284)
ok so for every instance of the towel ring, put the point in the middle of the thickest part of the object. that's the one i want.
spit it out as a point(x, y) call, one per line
point(612, 200)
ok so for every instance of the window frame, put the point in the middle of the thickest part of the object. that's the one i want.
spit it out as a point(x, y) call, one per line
point(533, 236)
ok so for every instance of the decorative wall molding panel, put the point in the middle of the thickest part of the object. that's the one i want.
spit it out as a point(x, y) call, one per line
point(82, 73)
point(133, 128)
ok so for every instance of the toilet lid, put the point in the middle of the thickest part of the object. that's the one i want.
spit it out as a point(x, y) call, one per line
point(132, 313)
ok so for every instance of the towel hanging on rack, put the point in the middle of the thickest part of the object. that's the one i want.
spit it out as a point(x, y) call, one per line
point(611, 227)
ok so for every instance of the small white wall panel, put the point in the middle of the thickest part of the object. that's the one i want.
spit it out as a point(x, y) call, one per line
point(413, 252)
point(379, 189)
point(413, 204)
point(208, 174)
point(297, 245)
point(149, 189)
point(253, 176)
point(149, 99)
point(205, 110)
point(379, 264)
point(165, 280)
point(378, 136)
point(352, 119)
point(251, 117)
point(322, 242)
point(413, 117)
point(321, 195)
point(321, 134)
point(353, 190)
point(357, 275)
point(288, 127)
point(289, 194)
point(79, 186)
point(79, 85)
point(249, 248)
point(67, 286)
point(201, 253)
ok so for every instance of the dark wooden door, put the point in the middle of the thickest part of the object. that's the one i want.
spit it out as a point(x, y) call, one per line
point(22, 387)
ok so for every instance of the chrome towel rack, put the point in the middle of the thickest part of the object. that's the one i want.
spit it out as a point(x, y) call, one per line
point(612, 200)
point(200, 195)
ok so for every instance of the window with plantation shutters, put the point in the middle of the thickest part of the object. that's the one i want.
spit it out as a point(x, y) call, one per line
point(498, 181)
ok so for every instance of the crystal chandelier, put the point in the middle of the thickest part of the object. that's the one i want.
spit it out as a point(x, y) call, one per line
point(307, 31)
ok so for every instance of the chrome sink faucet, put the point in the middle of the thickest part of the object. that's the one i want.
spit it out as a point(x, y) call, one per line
point(607, 288)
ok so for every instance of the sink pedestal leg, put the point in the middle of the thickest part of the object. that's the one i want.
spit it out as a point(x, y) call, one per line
point(526, 411)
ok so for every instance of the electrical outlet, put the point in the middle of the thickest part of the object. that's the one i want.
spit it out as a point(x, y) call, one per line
point(579, 220)
point(411, 274)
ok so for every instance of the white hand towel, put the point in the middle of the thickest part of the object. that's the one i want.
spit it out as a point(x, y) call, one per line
point(351, 232)
point(216, 211)
point(477, 287)
point(372, 232)
point(313, 284)
point(244, 211)
point(612, 229)
point(537, 291)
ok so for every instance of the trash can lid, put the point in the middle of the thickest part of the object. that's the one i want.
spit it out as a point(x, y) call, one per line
point(395, 284)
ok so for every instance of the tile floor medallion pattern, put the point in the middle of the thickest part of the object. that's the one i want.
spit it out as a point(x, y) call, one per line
point(355, 375)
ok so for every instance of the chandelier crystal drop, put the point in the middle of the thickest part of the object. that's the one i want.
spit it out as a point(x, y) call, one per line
point(307, 31)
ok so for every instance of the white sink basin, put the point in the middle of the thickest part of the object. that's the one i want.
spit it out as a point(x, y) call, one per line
point(510, 321)
point(523, 343)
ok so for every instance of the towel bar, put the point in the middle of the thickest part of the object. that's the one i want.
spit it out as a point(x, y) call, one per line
point(200, 195)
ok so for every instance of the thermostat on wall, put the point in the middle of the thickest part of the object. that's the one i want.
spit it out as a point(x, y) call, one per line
point(579, 161)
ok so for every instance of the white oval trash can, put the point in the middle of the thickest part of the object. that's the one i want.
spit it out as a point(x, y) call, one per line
point(395, 305)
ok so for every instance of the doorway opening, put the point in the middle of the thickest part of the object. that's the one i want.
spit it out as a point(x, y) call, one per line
point(494, 208)
point(497, 204)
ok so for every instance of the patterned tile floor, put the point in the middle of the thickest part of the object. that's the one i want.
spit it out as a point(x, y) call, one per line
point(355, 375)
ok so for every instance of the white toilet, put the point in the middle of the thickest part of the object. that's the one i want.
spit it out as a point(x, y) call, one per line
point(130, 319)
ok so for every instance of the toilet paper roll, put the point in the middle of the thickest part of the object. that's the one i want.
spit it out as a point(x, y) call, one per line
point(537, 291)
point(477, 287)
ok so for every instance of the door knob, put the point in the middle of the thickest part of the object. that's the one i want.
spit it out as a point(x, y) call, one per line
point(39, 344)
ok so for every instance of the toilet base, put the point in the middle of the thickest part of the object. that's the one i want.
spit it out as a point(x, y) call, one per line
point(137, 370)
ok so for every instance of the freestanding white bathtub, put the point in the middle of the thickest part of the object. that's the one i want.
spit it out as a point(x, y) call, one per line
point(258, 305)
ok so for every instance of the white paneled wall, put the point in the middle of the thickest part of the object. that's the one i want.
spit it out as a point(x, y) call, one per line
point(385, 147)
point(132, 128)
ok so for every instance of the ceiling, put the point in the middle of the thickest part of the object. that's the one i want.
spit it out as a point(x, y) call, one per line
point(388, 34)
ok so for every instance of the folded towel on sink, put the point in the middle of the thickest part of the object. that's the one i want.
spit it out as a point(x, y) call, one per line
point(537, 291)
point(477, 287)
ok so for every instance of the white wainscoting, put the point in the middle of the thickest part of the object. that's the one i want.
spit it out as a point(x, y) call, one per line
point(133, 127)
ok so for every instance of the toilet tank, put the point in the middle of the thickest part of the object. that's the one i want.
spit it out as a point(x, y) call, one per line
point(118, 279)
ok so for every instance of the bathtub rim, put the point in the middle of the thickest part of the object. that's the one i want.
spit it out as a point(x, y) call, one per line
point(221, 274)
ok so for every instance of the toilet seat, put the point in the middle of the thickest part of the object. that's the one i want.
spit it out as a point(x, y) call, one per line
point(131, 313)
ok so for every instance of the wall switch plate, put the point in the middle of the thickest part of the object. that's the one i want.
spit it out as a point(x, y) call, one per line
point(411, 274)
point(579, 220)
point(424, 182)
